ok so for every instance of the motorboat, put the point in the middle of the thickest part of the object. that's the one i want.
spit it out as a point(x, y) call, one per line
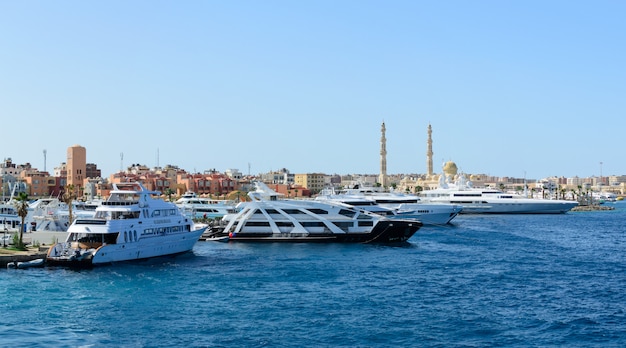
point(604, 197)
point(204, 208)
point(404, 205)
point(266, 218)
point(490, 200)
point(130, 225)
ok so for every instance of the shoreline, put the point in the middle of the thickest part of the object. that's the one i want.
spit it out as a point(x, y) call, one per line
point(593, 207)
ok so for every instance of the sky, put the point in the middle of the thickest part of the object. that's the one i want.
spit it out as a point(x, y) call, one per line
point(511, 88)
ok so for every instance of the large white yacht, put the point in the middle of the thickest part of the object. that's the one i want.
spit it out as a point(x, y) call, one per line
point(269, 219)
point(204, 208)
point(489, 200)
point(129, 225)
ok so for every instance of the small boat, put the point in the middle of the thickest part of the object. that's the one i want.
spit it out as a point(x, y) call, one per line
point(217, 239)
point(26, 264)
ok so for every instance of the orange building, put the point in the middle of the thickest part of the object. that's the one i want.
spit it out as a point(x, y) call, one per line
point(76, 166)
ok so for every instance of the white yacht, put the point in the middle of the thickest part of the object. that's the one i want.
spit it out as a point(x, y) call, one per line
point(489, 200)
point(8, 214)
point(408, 206)
point(269, 219)
point(129, 225)
point(204, 208)
point(52, 214)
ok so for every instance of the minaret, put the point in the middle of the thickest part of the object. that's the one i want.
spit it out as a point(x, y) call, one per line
point(383, 157)
point(429, 153)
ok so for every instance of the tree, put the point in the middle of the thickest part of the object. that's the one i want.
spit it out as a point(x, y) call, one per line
point(21, 205)
point(169, 192)
point(68, 198)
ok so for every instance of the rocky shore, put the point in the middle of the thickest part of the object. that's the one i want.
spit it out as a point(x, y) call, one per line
point(592, 207)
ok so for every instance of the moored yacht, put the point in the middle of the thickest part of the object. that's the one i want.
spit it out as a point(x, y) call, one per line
point(129, 225)
point(269, 219)
point(489, 200)
point(408, 206)
point(204, 208)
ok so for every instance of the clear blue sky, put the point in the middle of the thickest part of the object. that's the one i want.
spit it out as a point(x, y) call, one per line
point(511, 88)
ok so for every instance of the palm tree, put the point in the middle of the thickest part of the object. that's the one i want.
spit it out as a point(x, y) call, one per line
point(68, 197)
point(21, 205)
point(169, 192)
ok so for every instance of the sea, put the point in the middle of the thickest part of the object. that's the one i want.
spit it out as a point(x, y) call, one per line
point(483, 281)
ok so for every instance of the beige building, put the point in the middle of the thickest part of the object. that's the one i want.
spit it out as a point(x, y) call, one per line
point(313, 182)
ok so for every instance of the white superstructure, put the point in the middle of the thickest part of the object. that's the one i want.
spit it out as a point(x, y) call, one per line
point(204, 208)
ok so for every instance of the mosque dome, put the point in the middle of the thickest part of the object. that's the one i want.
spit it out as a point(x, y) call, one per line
point(450, 169)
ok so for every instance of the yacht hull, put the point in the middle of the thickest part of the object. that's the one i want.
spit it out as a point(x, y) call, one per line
point(108, 254)
point(546, 207)
point(385, 232)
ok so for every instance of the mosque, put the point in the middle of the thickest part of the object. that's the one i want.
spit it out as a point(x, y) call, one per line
point(427, 181)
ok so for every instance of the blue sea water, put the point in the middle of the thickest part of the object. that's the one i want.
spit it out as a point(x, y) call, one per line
point(486, 280)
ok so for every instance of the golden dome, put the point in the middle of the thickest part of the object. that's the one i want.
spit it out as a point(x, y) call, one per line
point(450, 169)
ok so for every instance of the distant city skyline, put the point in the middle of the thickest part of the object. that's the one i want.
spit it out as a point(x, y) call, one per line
point(513, 89)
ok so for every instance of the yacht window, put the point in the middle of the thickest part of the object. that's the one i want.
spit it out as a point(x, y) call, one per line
point(313, 224)
point(318, 211)
point(292, 211)
point(257, 224)
point(346, 212)
point(344, 225)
